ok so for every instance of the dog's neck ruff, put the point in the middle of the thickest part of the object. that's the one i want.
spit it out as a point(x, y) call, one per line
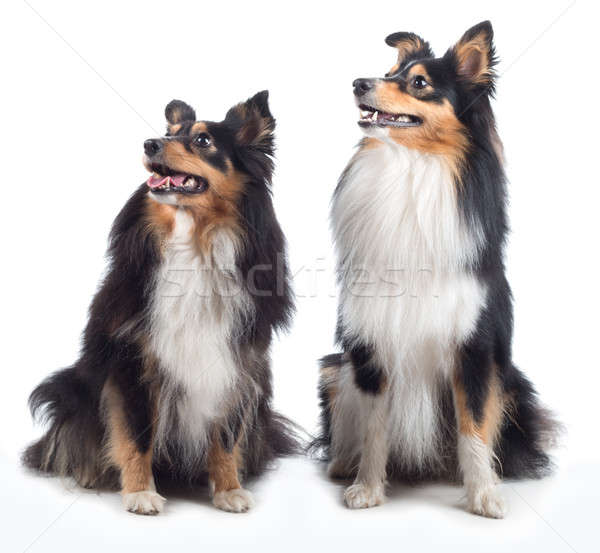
point(403, 252)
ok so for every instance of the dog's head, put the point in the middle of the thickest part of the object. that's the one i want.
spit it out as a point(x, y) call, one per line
point(425, 102)
point(205, 164)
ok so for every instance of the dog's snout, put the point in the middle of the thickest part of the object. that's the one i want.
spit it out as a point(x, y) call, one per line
point(152, 146)
point(361, 86)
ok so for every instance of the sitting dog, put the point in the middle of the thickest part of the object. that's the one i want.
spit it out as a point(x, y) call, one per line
point(174, 377)
point(426, 386)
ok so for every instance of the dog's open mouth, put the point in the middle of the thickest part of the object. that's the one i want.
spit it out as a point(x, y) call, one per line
point(370, 116)
point(165, 181)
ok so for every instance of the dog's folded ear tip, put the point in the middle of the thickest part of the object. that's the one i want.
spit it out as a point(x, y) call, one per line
point(394, 38)
point(177, 111)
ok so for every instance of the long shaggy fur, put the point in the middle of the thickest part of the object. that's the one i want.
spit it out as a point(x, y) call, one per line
point(425, 311)
point(189, 366)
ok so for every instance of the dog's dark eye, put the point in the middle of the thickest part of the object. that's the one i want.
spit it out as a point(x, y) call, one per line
point(202, 140)
point(419, 81)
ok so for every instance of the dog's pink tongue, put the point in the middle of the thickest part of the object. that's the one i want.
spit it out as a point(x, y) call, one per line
point(177, 180)
point(155, 181)
point(174, 180)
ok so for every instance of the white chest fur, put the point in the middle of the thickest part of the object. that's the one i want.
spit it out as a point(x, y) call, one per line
point(194, 314)
point(402, 248)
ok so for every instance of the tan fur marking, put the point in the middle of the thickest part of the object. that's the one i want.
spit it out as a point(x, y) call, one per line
point(217, 206)
point(407, 46)
point(441, 132)
point(174, 129)
point(493, 412)
point(225, 184)
point(418, 69)
point(255, 128)
point(135, 466)
point(197, 128)
point(473, 58)
point(330, 377)
point(160, 217)
point(223, 466)
point(181, 160)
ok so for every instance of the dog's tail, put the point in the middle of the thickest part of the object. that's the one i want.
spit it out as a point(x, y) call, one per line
point(283, 436)
point(529, 432)
point(274, 436)
point(72, 444)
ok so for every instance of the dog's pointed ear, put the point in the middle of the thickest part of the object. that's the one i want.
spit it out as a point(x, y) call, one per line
point(474, 55)
point(253, 123)
point(177, 111)
point(409, 46)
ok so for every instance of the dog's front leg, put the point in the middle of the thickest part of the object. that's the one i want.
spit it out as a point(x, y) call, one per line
point(224, 465)
point(130, 440)
point(479, 409)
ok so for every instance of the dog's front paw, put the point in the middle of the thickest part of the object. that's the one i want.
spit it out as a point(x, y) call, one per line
point(233, 501)
point(487, 502)
point(146, 502)
point(361, 496)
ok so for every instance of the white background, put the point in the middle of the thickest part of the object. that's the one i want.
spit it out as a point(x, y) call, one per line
point(85, 83)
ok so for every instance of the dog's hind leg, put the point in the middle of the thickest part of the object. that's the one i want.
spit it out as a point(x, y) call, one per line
point(371, 403)
point(368, 489)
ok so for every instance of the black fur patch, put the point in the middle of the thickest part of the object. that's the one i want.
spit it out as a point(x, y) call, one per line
point(368, 376)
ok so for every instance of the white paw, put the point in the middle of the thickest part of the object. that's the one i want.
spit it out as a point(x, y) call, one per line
point(361, 496)
point(147, 502)
point(233, 501)
point(487, 502)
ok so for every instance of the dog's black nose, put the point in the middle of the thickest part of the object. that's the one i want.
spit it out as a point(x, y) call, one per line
point(152, 146)
point(362, 85)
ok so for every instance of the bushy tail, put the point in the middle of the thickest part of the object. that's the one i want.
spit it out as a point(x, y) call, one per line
point(72, 445)
point(275, 436)
point(529, 432)
point(283, 436)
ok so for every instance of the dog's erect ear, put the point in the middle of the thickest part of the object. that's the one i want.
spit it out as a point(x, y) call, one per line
point(409, 46)
point(253, 123)
point(177, 111)
point(474, 55)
